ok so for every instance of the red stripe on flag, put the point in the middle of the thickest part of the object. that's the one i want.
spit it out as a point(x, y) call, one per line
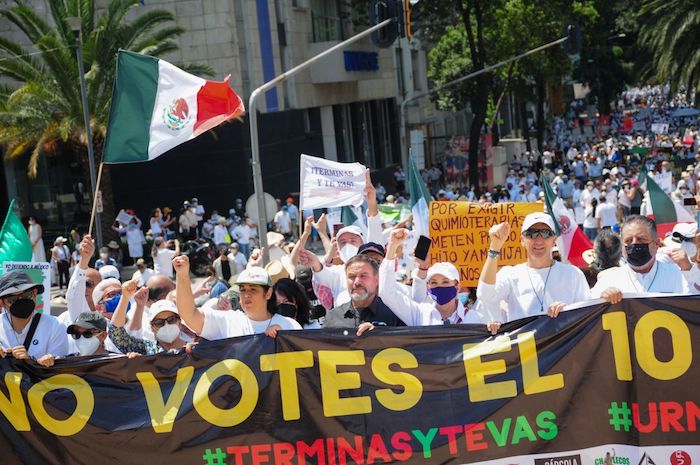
point(216, 103)
point(579, 244)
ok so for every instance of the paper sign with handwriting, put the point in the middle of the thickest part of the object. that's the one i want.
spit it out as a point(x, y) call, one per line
point(460, 234)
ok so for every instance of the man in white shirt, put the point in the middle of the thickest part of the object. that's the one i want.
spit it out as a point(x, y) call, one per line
point(588, 194)
point(539, 285)
point(605, 214)
point(24, 333)
point(293, 212)
point(143, 273)
point(642, 273)
point(682, 248)
point(199, 214)
point(283, 223)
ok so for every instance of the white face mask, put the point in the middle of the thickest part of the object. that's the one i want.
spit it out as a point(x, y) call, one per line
point(347, 252)
point(168, 333)
point(87, 346)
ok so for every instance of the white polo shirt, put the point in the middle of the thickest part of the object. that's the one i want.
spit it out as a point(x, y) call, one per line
point(222, 324)
point(49, 337)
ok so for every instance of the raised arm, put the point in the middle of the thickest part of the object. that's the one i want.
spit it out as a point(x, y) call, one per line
point(190, 314)
point(75, 294)
point(403, 306)
point(301, 243)
point(129, 288)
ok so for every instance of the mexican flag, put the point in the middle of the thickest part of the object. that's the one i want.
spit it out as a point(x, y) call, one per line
point(14, 241)
point(573, 241)
point(157, 106)
point(665, 212)
point(420, 199)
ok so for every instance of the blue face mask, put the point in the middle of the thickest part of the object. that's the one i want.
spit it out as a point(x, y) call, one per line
point(443, 295)
point(111, 305)
point(463, 297)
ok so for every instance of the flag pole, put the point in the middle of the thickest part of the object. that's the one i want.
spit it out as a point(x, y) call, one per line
point(94, 199)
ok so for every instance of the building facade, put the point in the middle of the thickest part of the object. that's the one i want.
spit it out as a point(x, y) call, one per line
point(346, 107)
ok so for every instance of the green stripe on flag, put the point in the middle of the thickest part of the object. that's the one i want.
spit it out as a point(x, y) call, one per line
point(133, 100)
point(347, 216)
point(661, 204)
point(14, 241)
point(550, 198)
point(416, 186)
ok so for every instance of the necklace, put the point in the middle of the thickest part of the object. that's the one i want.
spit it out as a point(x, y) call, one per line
point(634, 282)
point(544, 289)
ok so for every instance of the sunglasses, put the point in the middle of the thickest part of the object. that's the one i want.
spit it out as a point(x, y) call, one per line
point(535, 233)
point(678, 237)
point(89, 284)
point(86, 334)
point(160, 322)
point(10, 299)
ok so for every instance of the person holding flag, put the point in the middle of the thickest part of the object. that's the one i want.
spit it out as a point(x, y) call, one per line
point(539, 285)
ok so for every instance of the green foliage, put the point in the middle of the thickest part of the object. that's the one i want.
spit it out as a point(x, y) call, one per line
point(671, 31)
point(45, 104)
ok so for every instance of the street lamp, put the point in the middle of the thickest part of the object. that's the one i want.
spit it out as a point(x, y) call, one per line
point(74, 23)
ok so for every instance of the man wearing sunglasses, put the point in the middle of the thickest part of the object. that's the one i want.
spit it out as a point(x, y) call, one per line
point(538, 286)
point(24, 333)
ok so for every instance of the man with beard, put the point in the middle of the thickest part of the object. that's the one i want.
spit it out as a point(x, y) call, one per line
point(24, 333)
point(642, 273)
point(365, 309)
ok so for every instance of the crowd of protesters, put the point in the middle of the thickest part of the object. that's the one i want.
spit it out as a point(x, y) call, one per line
point(366, 274)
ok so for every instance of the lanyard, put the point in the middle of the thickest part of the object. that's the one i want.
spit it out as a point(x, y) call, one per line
point(544, 289)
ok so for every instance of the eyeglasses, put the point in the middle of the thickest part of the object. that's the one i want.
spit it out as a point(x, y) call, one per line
point(109, 296)
point(86, 334)
point(535, 233)
point(89, 284)
point(160, 322)
point(10, 299)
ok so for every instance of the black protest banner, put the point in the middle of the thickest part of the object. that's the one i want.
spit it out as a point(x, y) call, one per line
point(600, 385)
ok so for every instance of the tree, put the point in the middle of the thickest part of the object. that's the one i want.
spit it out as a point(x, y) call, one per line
point(43, 107)
point(671, 30)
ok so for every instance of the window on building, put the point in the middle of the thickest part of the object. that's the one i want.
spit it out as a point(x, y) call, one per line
point(416, 69)
point(366, 132)
point(325, 17)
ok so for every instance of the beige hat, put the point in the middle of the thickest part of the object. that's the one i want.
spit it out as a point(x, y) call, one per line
point(276, 270)
point(274, 238)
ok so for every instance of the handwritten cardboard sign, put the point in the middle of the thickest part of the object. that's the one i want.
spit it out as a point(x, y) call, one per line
point(460, 234)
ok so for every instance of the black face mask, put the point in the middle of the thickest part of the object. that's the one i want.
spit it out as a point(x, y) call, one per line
point(22, 308)
point(638, 254)
point(288, 310)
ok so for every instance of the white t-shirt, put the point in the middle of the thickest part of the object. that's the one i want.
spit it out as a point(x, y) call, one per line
point(145, 276)
point(222, 324)
point(589, 220)
point(162, 263)
point(529, 292)
point(49, 337)
point(242, 233)
point(607, 215)
point(220, 232)
point(284, 222)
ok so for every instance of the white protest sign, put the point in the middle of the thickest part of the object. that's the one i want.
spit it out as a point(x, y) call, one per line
point(40, 273)
point(325, 183)
point(123, 217)
point(659, 128)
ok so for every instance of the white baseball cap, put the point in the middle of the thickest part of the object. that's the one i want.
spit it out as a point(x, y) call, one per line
point(109, 271)
point(350, 229)
point(99, 290)
point(446, 269)
point(164, 305)
point(254, 275)
point(538, 217)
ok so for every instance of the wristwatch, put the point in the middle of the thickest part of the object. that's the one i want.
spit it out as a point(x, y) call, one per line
point(494, 253)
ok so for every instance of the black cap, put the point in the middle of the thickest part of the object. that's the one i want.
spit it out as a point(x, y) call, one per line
point(371, 247)
point(89, 320)
point(17, 281)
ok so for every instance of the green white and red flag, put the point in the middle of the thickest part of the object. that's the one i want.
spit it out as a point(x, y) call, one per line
point(157, 106)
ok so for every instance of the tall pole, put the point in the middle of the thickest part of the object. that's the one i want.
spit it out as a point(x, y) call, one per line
point(75, 26)
point(253, 117)
point(404, 138)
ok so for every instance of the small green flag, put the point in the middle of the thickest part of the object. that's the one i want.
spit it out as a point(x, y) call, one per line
point(14, 240)
point(347, 216)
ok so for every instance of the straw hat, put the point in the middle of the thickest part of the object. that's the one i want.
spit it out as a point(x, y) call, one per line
point(274, 238)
